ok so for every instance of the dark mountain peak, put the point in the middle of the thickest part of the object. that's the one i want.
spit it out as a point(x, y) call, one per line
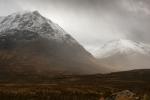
point(36, 12)
point(26, 13)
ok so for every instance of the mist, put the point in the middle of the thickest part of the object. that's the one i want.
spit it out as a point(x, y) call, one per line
point(91, 22)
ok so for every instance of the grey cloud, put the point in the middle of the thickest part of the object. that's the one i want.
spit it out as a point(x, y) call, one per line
point(8, 6)
point(92, 22)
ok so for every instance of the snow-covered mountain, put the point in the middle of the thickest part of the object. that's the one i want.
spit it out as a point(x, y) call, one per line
point(122, 46)
point(33, 44)
point(34, 22)
point(124, 54)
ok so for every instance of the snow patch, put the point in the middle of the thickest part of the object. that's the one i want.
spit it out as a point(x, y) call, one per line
point(34, 22)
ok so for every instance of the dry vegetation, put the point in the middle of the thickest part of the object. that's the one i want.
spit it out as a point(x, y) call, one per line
point(88, 87)
point(45, 92)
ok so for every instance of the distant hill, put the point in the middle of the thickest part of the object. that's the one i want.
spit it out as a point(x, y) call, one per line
point(121, 55)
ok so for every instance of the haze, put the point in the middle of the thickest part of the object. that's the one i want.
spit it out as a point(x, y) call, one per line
point(91, 22)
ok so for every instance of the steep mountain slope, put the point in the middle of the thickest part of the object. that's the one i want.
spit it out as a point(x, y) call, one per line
point(124, 55)
point(31, 44)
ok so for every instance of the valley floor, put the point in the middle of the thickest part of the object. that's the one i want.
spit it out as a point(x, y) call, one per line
point(64, 92)
point(45, 92)
point(129, 85)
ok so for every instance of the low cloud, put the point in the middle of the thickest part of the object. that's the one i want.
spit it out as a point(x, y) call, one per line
point(92, 22)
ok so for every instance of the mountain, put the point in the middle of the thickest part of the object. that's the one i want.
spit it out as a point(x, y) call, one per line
point(124, 55)
point(31, 45)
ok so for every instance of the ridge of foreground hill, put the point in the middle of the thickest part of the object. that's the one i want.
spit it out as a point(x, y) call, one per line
point(134, 80)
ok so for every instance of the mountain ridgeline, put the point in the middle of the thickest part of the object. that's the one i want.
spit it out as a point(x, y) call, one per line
point(30, 44)
point(120, 55)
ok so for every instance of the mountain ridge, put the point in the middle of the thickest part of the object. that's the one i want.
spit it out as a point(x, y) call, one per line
point(122, 46)
point(124, 55)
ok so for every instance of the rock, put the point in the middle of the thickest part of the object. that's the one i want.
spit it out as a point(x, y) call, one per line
point(125, 95)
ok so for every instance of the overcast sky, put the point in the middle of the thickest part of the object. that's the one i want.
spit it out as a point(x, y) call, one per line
point(91, 22)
